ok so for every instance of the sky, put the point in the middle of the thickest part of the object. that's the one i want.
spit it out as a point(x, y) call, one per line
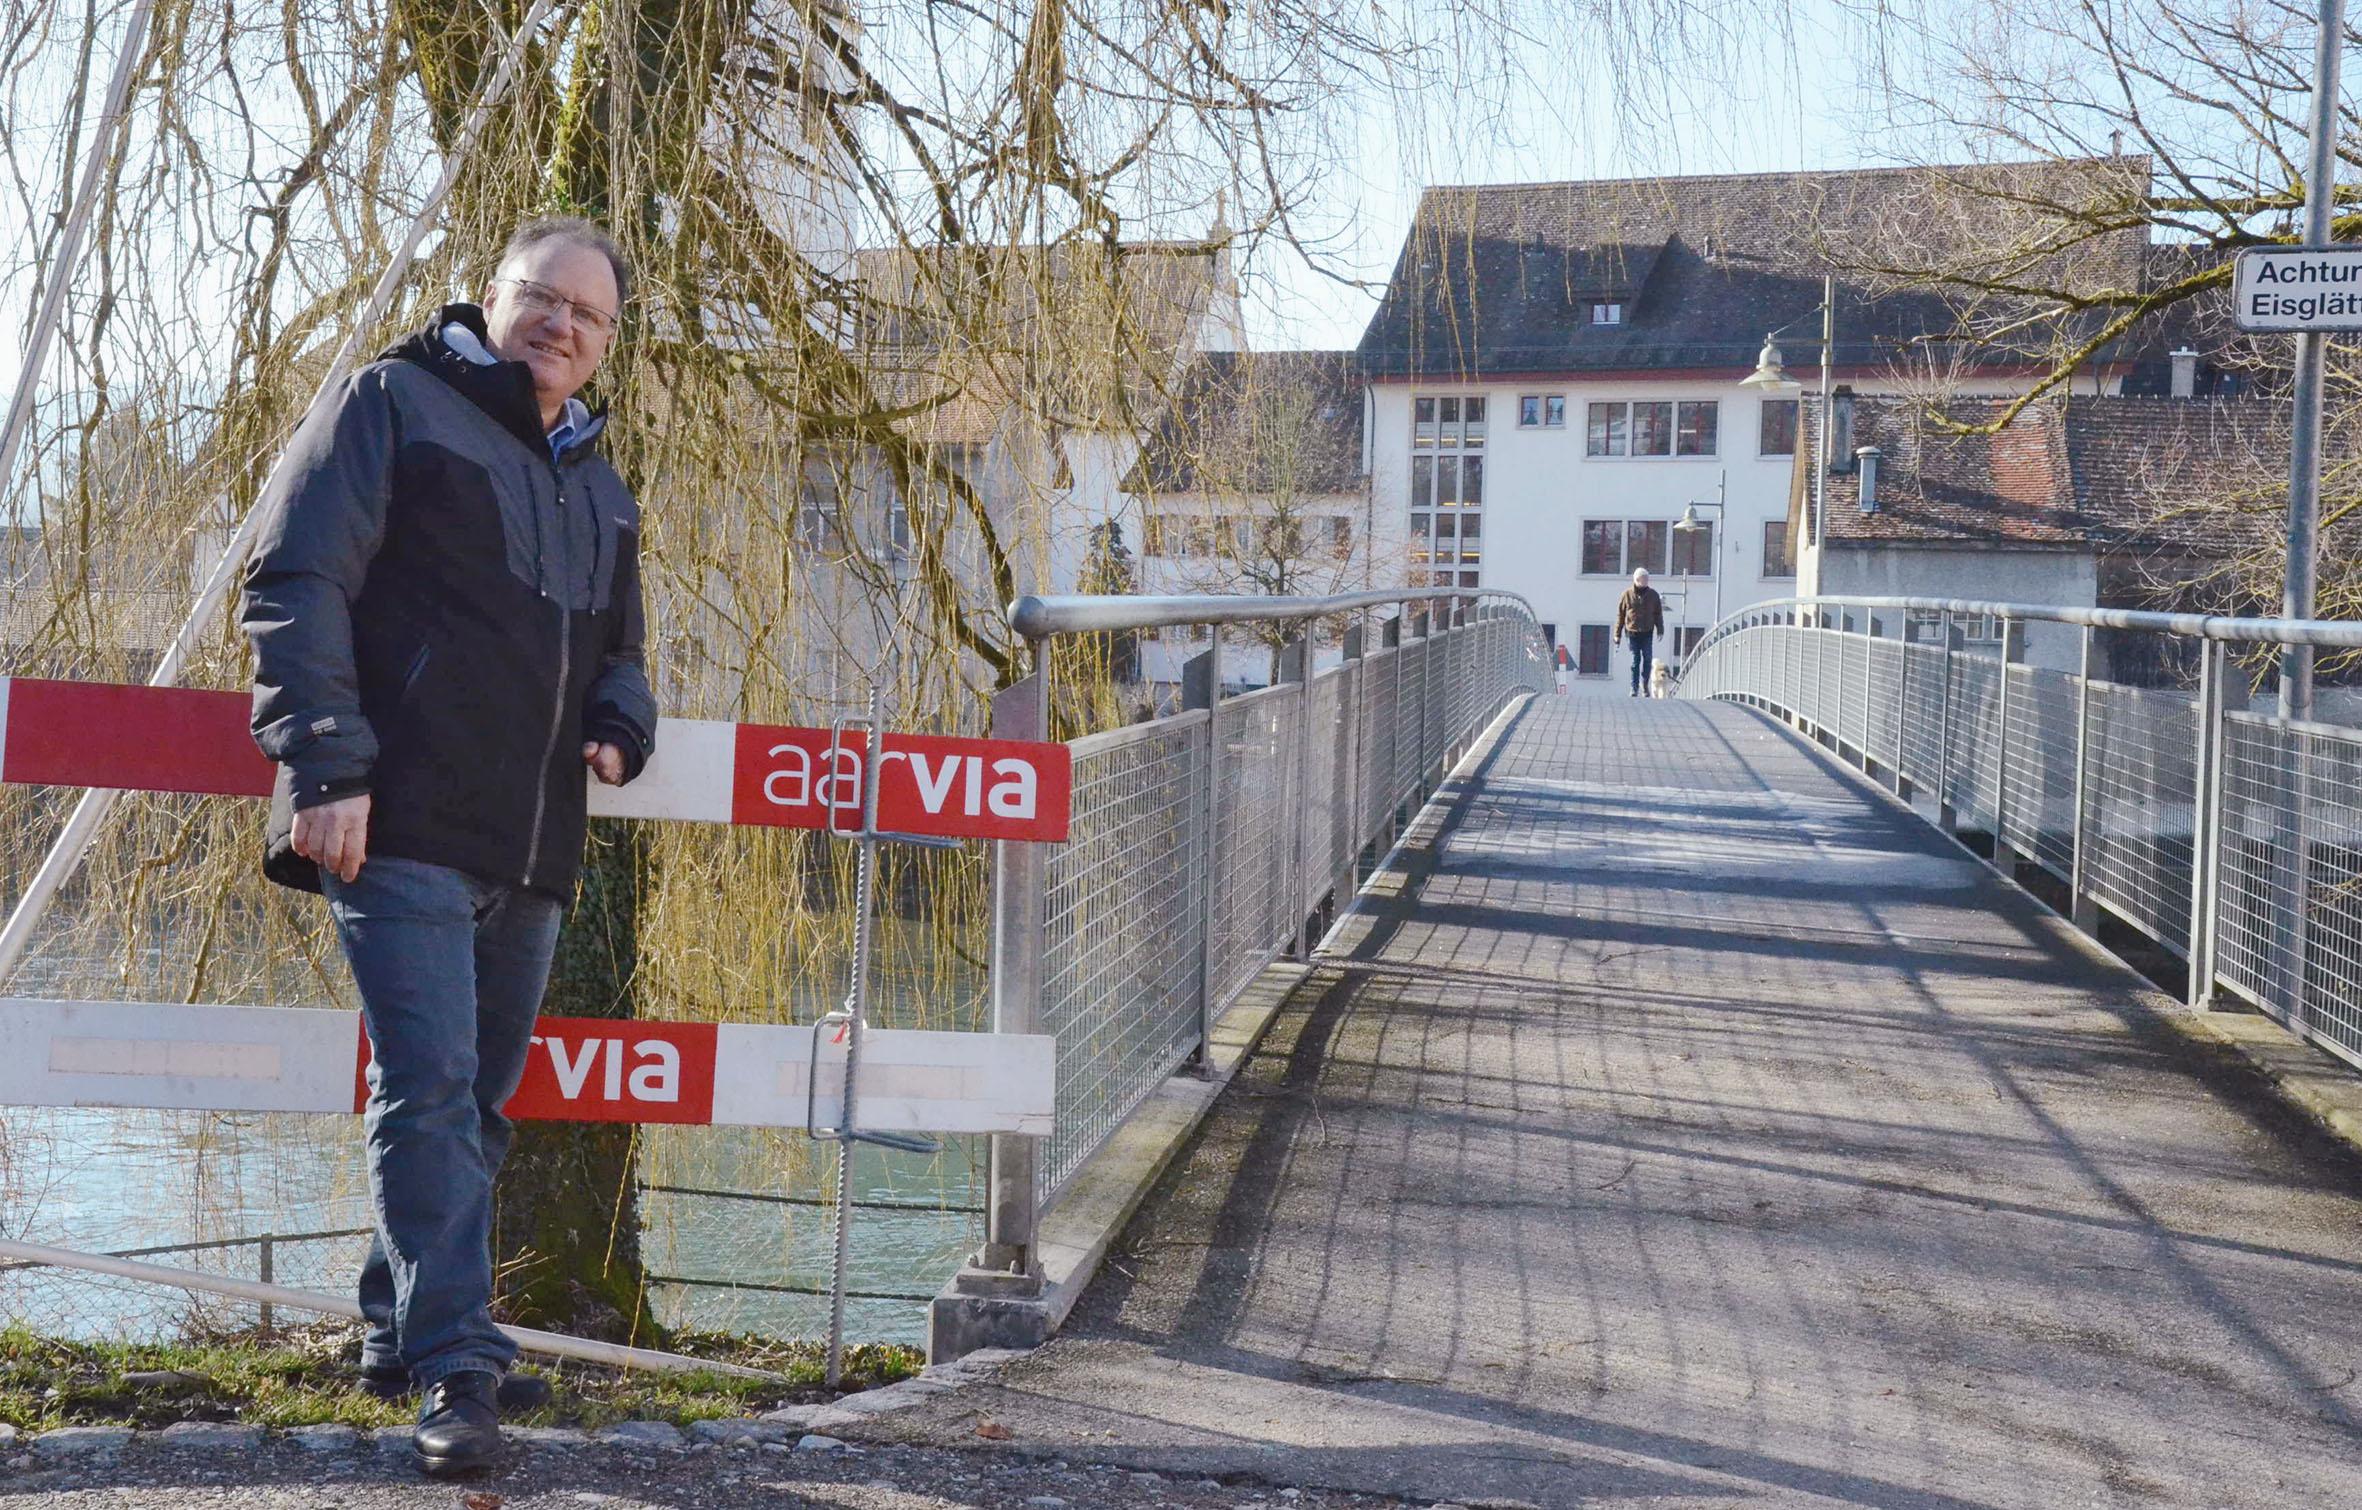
point(1793, 107)
point(1733, 103)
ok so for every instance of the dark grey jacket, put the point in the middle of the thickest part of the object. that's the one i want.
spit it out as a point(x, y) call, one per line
point(442, 614)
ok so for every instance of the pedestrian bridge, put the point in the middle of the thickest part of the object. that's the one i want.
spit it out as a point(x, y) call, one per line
point(1682, 1115)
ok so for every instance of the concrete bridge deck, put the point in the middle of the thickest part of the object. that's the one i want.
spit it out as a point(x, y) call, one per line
point(1685, 1123)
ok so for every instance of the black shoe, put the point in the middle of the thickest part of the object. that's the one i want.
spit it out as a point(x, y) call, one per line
point(515, 1395)
point(458, 1425)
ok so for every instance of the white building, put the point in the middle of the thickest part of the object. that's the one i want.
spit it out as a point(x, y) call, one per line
point(1555, 374)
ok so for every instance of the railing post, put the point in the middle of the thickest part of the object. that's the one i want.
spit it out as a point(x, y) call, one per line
point(2204, 779)
point(1008, 1267)
point(1902, 744)
point(1295, 665)
point(996, 1300)
point(2013, 651)
point(265, 1270)
point(1201, 687)
point(1947, 815)
point(2081, 907)
point(1869, 679)
point(1354, 702)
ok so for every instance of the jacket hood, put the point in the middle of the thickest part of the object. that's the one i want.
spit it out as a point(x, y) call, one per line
point(503, 390)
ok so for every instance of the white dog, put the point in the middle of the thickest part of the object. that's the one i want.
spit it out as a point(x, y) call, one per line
point(1660, 681)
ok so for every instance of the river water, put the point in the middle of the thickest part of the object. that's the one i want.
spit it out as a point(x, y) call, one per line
point(104, 1180)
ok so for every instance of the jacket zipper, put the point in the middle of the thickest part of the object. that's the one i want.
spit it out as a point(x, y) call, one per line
point(557, 714)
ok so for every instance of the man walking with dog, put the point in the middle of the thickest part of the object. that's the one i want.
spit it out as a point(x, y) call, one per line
point(1640, 616)
point(444, 603)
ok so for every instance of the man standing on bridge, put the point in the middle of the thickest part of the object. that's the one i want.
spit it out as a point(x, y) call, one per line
point(445, 609)
point(1640, 613)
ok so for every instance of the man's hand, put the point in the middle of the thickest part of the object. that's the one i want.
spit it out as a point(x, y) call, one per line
point(335, 835)
point(605, 761)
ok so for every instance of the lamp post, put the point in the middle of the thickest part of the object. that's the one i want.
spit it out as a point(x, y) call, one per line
point(1771, 374)
point(1689, 524)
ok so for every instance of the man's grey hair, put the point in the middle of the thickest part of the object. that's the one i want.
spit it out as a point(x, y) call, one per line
point(1640, 577)
point(581, 232)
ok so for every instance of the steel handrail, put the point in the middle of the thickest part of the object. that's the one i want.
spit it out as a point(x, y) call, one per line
point(2338, 634)
point(1041, 618)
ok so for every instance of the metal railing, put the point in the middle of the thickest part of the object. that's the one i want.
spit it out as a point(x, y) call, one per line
point(2121, 758)
point(1207, 844)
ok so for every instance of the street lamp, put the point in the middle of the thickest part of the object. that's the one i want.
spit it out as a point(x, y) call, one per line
point(1689, 524)
point(1771, 374)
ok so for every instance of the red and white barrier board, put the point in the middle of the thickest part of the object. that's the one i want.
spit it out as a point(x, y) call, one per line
point(176, 739)
point(302, 1059)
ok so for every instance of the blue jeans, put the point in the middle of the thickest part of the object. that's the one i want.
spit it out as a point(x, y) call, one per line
point(451, 972)
point(1644, 656)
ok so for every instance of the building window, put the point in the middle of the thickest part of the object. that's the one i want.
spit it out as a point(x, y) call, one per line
point(1693, 551)
point(1606, 433)
point(1607, 312)
point(1591, 650)
point(1340, 536)
point(1541, 411)
point(1776, 429)
point(1644, 545)
point(1447, 476)
point(1685, 640)
point(1654, 427)
point(1448, 420)
point(1775, 549)
point(1700, 427)
point(1529, 412)
point(1152, 535)
point(1603, 547)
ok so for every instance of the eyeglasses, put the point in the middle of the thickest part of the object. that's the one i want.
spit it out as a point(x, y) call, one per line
point(543, 299)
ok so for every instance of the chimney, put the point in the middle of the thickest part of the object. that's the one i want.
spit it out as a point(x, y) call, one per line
point(1867, 459)
point(2185, 372)
point(1841, 429)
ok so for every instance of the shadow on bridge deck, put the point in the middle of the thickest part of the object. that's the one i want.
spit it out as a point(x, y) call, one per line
point(1692, 1125)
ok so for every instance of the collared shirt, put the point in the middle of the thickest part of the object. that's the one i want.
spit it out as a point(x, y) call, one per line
point(571, 419)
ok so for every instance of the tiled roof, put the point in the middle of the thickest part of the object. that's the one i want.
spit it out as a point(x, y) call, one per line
point(1258, 424)
point(2117, 473)
point(1937, 487)
point(1499, 280)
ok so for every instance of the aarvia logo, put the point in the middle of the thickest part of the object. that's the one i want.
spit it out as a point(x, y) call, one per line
point(2291, 290)
point(948, 787)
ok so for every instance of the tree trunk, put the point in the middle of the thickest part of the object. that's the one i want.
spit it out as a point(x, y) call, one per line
point(566, 1214)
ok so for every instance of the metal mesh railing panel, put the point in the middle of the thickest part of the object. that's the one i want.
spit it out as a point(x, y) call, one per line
point(1255, 747)
point(2293, 793)
point(1379, 698)
point(1853, 714)
point(1410, 745)
point(1328, 786)
point(2039, 768)
point(1923, 715)
point(1882, 718)
point(1120, 934)
point(1974, 739)
point(2143, 791)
